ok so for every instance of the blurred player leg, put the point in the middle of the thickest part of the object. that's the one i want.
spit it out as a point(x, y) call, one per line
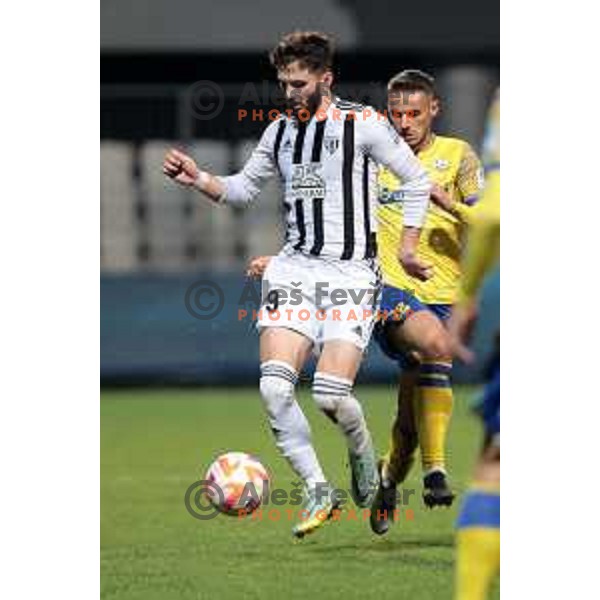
point(478, 535)
point(478, 527)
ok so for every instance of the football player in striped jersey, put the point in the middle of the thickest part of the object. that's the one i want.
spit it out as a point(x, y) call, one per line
point(325, 152)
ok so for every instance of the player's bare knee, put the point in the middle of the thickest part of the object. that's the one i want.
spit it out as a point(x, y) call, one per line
point(488, 470)
point(437, 348)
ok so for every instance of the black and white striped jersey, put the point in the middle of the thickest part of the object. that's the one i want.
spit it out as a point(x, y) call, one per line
point(328, 171)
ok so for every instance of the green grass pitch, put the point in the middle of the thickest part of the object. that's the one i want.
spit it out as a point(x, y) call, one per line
point(155, 443)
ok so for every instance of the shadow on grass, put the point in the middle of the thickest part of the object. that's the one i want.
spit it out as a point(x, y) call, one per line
point(385, 544)
point(408, 550)
point(425, 541)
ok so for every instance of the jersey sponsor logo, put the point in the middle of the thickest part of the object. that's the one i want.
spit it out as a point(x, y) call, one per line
point(349, 105)
point(331, 144)
point(308, 181)
point(441, 164)
point(388, 196)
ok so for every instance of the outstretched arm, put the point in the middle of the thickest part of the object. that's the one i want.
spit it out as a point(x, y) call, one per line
point(238, 189)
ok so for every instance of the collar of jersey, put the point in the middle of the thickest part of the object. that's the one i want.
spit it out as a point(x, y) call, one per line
point(329, 112)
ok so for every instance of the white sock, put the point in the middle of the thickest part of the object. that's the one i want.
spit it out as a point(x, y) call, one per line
point(288, 422)
point(333, 395)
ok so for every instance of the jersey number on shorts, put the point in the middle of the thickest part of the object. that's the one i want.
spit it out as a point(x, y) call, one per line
point(272, 300)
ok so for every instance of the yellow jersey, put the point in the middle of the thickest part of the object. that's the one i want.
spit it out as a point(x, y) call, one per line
point(453, 165)
point(483, 245)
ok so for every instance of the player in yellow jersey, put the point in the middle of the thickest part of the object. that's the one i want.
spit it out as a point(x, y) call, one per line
point(411, 329)
point(478, 527)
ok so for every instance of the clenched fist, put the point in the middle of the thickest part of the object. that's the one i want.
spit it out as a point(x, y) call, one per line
point(180, 167)
point(415, 267)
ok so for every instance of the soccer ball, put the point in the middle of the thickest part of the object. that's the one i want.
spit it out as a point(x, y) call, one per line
point(237, 482)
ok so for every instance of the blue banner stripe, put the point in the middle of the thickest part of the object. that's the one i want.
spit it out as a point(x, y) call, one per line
point(480, 509)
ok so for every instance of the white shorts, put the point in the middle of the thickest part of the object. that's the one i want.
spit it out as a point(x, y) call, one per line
point(323, 299)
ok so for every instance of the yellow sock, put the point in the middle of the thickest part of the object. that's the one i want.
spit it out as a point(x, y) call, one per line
point(477, 545)
point(433, 409)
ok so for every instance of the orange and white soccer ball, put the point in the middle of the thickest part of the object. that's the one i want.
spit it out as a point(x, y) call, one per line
point(239, 481)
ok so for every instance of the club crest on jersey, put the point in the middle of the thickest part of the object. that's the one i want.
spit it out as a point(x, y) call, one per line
point(441, 164)
point(308, 181)
point(331, 144)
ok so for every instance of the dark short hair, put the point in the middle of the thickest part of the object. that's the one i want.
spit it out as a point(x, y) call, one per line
point(313, 49)
point(412, 80)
